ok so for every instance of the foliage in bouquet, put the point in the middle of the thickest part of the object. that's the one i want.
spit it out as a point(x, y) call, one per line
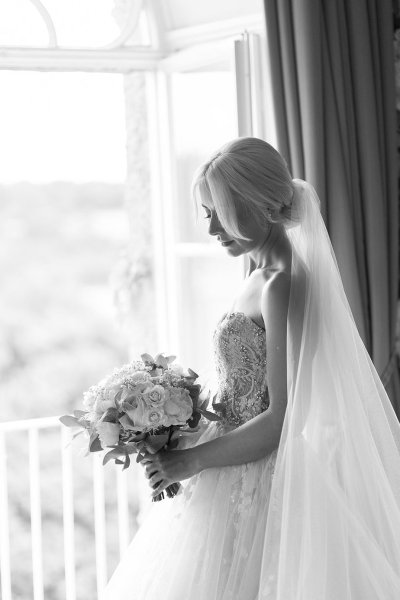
point(149, 402)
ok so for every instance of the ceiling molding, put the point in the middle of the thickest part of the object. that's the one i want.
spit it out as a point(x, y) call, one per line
point(208, 32)
point(215, 55)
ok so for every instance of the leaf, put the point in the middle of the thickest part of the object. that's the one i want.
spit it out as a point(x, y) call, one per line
point(70, 421)
point(203, 405)
point(219, 407)
point(173, 444)
point(194, 421)
point(194, 389)
point(155, 442)
point(146, 358)
point(127, 422)
point(119, 447)
point(204, 401)
point(94, 443)
point(79, 413)
point(119, 462)
point(161, 361)
point(85, 424)
point(129, 448)
point(138, 437)
point(110, 455)
point(110, 416)
point(209, 415)
point(192, 373)
point(170, 359)
point(127, 462)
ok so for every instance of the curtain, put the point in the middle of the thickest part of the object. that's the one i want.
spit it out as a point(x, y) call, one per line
point(332, 69)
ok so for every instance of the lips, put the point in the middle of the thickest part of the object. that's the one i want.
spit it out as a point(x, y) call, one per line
point(227, 243)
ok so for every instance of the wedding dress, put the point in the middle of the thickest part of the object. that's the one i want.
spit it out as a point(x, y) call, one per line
point(207, 542)
point(319, 518)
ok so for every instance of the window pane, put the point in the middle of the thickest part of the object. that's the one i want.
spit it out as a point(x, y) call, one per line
point(204, 118)
point(62, 226)
point(206, 291)
point(62, 126)
point(77, 23)
point(21, 25)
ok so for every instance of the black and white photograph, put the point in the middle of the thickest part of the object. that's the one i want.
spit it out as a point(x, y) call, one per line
point(199, 300)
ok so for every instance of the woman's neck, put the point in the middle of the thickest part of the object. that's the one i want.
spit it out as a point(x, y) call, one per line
point(275, 250)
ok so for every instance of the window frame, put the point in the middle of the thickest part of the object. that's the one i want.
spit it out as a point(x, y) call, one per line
point(245, 51)
point(248, 54)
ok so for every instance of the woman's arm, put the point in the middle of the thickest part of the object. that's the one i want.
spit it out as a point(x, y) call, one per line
point(260, 435)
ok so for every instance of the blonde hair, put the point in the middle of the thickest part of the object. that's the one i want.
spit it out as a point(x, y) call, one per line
point(249, 176)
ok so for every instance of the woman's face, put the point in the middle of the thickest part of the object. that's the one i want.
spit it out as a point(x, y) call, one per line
point(249, 225)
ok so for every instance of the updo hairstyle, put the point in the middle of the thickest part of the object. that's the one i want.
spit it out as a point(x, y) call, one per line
point(246, 177)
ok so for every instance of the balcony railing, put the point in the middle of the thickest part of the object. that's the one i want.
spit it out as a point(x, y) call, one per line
point(34, 428)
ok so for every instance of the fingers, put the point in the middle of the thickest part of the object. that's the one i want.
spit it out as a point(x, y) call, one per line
point(149, 470)
point(145, 457)
point(155, 480)
point(159, 488)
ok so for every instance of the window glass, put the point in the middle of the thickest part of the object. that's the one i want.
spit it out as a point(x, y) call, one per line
point(77, 23)
point(62, 227)
point(203, 118)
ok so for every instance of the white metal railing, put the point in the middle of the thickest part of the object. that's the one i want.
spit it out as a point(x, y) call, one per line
point(33, 427)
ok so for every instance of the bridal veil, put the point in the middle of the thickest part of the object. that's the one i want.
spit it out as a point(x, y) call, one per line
point(333, 529)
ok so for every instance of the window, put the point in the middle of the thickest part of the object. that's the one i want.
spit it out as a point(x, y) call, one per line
point(103, 122)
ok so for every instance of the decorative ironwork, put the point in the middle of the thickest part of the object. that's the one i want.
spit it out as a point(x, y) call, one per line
point(126, 13)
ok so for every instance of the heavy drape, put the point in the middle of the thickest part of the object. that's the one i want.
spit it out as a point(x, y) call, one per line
point(332, 71)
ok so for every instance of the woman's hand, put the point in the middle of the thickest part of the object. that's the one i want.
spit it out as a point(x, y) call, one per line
point(168, 466)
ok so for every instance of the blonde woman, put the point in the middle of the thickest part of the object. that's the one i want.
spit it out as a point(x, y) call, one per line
point(295, 493)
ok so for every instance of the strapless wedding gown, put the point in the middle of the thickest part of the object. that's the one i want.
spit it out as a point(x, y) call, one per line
point(207, 542)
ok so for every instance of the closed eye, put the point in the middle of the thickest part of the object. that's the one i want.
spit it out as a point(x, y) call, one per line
point(208, 214)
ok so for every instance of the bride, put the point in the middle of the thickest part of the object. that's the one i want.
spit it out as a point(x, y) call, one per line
point(295, 493)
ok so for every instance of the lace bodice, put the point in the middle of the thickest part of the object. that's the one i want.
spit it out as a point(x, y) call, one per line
point(240, 358)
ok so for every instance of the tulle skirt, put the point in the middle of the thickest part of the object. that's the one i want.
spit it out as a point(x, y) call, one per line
point(204, 544)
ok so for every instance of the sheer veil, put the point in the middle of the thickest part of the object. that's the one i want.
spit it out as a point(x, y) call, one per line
point(333, 530)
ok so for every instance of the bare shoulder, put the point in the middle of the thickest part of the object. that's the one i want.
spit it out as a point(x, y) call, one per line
point(275, 302)
point(276, 289)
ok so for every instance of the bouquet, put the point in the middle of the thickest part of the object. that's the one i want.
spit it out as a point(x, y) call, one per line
point(148, 403)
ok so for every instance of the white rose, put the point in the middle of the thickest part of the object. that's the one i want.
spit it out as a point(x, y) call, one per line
point(178, 407)
point(156, 418)
point(108, 433)
point(176, 368)
point(155, 396)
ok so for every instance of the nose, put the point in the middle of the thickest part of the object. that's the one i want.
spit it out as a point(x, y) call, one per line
point(214, 227)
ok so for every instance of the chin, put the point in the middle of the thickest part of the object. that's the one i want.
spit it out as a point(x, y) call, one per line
point(234, 250)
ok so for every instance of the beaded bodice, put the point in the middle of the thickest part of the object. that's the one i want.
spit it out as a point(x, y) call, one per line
point(240, 359)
